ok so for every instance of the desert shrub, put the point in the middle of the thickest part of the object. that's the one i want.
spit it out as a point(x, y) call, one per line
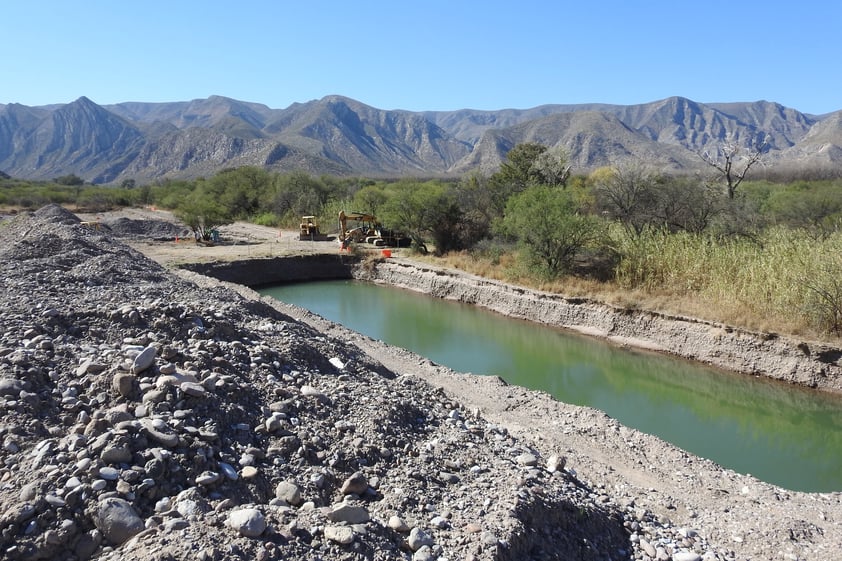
point(267, 219)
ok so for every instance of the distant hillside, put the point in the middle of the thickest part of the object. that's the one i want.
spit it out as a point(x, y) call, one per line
point(340, 136)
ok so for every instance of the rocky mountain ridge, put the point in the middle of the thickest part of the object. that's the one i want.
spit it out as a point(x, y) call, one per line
point(340, 136)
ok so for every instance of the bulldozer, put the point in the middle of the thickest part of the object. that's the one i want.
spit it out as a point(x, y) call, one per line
point(365, 228)
point(309, 230)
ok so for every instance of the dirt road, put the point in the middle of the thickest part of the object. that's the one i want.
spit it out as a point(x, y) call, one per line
point(240, 240)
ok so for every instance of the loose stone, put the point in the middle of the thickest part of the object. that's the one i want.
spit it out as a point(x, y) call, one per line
point(419, 538)
point(349, 514)
point(527, 460)
point(398, 524)
point(124, 384)
point(208, 478)
point(117, 520)
point(356, 484)
point(339, 534)
point(144, 360)
point(109, 473)
point(249, 522)
point(686, 556)
point(289, 492)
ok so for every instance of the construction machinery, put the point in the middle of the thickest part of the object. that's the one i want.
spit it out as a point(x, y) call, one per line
point(359, 227)
point(309, 230)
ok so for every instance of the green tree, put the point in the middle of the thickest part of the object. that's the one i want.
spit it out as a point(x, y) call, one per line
point(369, 199)
point(549, 227)
point(816, 209)
point(516, 173)
point(476, 198)
point(297, 194)
point(425, 212)
point(240, 190)
point(71, 179)
point(518, 170)
point(202, 212)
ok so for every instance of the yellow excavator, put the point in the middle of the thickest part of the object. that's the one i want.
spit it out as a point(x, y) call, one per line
point(365, 228)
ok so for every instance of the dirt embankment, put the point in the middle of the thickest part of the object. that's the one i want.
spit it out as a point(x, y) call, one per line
point(805, 363)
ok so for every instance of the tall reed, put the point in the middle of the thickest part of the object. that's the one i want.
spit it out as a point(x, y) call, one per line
point(781, 274)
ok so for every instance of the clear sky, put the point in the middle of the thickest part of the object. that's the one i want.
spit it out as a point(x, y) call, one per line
point(433, 55)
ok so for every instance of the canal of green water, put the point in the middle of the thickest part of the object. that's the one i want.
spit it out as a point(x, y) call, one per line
point(781, 434)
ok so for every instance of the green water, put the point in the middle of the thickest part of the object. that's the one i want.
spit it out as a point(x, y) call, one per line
point(780, 434)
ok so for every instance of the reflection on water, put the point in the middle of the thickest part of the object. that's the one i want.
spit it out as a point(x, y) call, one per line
point(784, 435)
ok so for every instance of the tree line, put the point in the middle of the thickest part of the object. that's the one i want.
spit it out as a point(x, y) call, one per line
point(631, 226)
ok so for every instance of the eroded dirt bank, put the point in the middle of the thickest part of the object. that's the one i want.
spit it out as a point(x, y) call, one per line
point(810, 364)
point(744, 518)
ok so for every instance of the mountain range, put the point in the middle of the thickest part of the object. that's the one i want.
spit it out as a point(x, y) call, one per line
point(148, 142)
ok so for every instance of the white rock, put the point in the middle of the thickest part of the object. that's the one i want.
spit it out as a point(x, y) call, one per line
point(349, 514)
point(527, 460)
point(419, 538)
point(144, 359)
point(249, 522)
point(556, 463)
point(289, 492)
point(339, 534)
point(686, 556)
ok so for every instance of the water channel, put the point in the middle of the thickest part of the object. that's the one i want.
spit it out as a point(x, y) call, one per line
point(784, 435)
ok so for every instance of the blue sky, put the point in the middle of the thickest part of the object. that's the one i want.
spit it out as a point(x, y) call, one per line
point(436, 55)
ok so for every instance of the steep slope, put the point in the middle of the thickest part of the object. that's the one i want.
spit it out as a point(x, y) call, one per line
point(81, 138)
point(16, 123)
point(194, 152)
point(820, 149)
point(341, 136)
point(220, 113)
point(783, 126)
point(368, 140)
point(592, 139)
point(469, 124)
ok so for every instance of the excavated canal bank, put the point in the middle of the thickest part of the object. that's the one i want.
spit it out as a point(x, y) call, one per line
point(804, 363)
point(739, 516)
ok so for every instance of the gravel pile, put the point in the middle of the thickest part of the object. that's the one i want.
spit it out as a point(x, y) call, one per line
point(156, 230)
point(146, 417)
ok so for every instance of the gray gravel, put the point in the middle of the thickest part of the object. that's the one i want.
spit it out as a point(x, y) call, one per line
point(147, 417)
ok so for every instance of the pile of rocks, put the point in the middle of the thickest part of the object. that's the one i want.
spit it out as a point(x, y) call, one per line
point(143, 416)
point(130, 228)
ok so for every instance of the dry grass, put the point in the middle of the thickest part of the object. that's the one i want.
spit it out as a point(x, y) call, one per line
point(759, 285)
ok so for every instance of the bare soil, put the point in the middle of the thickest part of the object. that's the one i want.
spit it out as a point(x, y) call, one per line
point(240, 240)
